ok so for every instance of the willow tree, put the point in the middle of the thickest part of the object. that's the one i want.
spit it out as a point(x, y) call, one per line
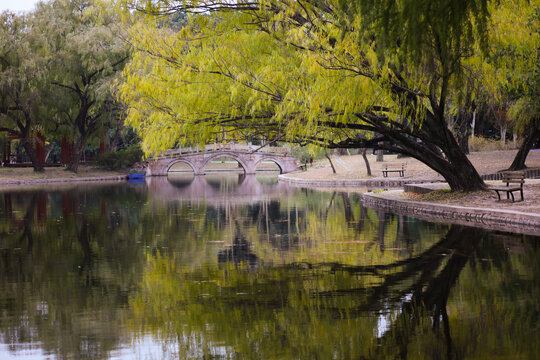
point(89, 52)
point(333, 73)
point(526, 112)
point(22, 82)
point(516, 53)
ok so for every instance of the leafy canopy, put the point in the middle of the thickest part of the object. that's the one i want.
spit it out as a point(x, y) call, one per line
point(295, 70)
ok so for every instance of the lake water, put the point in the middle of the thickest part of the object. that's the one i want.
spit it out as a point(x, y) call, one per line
point(235, 267)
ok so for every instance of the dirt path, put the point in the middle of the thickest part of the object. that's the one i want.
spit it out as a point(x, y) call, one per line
point(10, 176)
point(353, 167)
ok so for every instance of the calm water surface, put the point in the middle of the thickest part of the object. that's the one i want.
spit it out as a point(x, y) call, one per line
point(234, 267)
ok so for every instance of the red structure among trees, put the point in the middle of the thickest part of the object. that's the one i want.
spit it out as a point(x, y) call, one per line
point(66, 152)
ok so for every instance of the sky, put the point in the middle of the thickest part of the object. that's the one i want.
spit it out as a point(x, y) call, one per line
point(17, 5)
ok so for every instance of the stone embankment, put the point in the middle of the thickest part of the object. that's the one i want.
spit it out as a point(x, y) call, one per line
point(494, 219)
point(489, 214)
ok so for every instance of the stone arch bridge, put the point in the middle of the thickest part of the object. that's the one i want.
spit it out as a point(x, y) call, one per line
point(246, 156)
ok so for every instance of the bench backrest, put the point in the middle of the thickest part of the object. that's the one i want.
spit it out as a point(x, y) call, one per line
point(513, 177)
point(395, 167)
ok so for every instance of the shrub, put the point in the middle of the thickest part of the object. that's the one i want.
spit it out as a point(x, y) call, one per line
point(301, 153)
point(120, 159)
point(479, 143)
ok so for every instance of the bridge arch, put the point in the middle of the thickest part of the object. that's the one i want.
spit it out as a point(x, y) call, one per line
point(272, 159)
point(232, 155)
point(184, 161)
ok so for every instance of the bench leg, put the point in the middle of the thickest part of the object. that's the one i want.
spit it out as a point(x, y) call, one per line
point(521, 191)
point(498, 195)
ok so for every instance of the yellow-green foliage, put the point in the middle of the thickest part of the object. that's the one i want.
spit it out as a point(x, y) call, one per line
point(515, 40)
point(180, 86)
point(502, 73)
point(320, 73)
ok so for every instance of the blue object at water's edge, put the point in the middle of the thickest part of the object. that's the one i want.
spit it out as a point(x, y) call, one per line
point(136, 178)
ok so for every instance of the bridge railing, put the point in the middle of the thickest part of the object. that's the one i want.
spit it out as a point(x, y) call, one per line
point(225, 147)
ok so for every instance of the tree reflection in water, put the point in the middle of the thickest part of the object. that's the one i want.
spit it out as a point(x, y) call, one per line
point(57, 291)
point(310, 276)
point(239, 251)
point(311, 310)
point(416, 287)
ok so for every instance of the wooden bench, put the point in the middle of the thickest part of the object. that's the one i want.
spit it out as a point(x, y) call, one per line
point(514, 181)
point(394, 168)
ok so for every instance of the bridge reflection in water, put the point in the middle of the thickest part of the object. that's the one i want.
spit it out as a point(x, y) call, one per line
point(219, 189)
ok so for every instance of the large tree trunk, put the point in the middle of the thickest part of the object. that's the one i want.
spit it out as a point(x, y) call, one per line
point(455, 167)
point(78, 149)
point(423, 143)
point(83, 129)
point(465, 121)
point(461, 175)
point(521, 156)
point(30, 149)
point(464, 143)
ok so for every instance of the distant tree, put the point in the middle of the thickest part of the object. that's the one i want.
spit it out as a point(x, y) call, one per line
point(22, 82)
point(516, 55)
point(526, 112)
point(89, 52)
